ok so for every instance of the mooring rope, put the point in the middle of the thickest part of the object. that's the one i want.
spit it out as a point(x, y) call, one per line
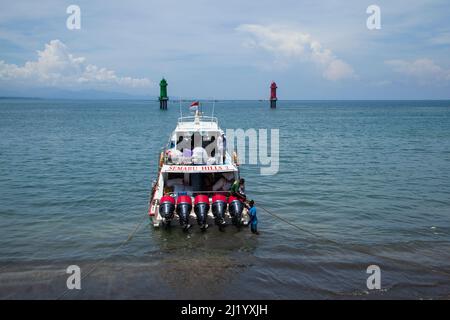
point(130, 236)
point(366, 252)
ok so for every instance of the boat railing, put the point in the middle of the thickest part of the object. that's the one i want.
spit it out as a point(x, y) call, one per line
point(201, 119)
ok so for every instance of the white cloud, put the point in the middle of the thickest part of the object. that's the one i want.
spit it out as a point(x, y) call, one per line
point(57, 67)
point(338, 69)
point(288, 43)
point(423, 70)
point(441, 39)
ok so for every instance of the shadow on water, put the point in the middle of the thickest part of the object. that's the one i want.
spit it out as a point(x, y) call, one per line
point(155, 264)
point(200, 264)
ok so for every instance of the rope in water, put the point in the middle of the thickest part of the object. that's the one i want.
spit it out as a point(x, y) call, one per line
point(130, 236)
point(355, 249)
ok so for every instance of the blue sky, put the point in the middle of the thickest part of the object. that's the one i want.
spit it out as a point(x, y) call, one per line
point(228, 49)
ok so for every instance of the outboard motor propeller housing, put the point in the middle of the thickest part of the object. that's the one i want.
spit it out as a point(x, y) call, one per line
point(235, 207)
point(219, 207)
point(166, 209)
point(201, 208)
point(184, 207)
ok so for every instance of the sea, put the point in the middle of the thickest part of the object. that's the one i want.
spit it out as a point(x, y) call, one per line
point(361, 197)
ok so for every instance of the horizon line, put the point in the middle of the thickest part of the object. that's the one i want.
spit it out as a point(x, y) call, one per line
point(200, 99)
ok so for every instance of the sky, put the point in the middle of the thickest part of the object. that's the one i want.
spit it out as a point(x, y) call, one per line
point(227, 49)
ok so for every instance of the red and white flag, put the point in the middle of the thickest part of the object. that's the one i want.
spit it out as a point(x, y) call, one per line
point(194, 105)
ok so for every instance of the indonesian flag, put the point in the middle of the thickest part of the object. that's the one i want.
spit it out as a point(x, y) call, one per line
point(194, 105)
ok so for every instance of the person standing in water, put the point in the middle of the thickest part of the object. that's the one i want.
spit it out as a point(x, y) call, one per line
point(253, 219)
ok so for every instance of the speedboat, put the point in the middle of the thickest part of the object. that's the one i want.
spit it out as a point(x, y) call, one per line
point(195, 173)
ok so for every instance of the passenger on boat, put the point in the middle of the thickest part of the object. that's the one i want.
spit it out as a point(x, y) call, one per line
point(199, 155)
point(238, 189)
point(253, 219)
point(187, 156)
point(180, 143)
point(174, 156)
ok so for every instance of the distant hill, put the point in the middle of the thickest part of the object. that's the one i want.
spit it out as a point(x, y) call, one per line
point(47, 93)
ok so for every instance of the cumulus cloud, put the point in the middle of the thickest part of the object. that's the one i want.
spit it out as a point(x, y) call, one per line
point(289, 43)
point(57, 67)
point(423, 70)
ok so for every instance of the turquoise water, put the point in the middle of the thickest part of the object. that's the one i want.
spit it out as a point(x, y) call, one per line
point(370, 180)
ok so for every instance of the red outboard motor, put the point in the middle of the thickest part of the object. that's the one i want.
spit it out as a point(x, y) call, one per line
point(201, 208)
point(235, 207)
point(219, 206)
point(166, 209)
point(184, 207)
